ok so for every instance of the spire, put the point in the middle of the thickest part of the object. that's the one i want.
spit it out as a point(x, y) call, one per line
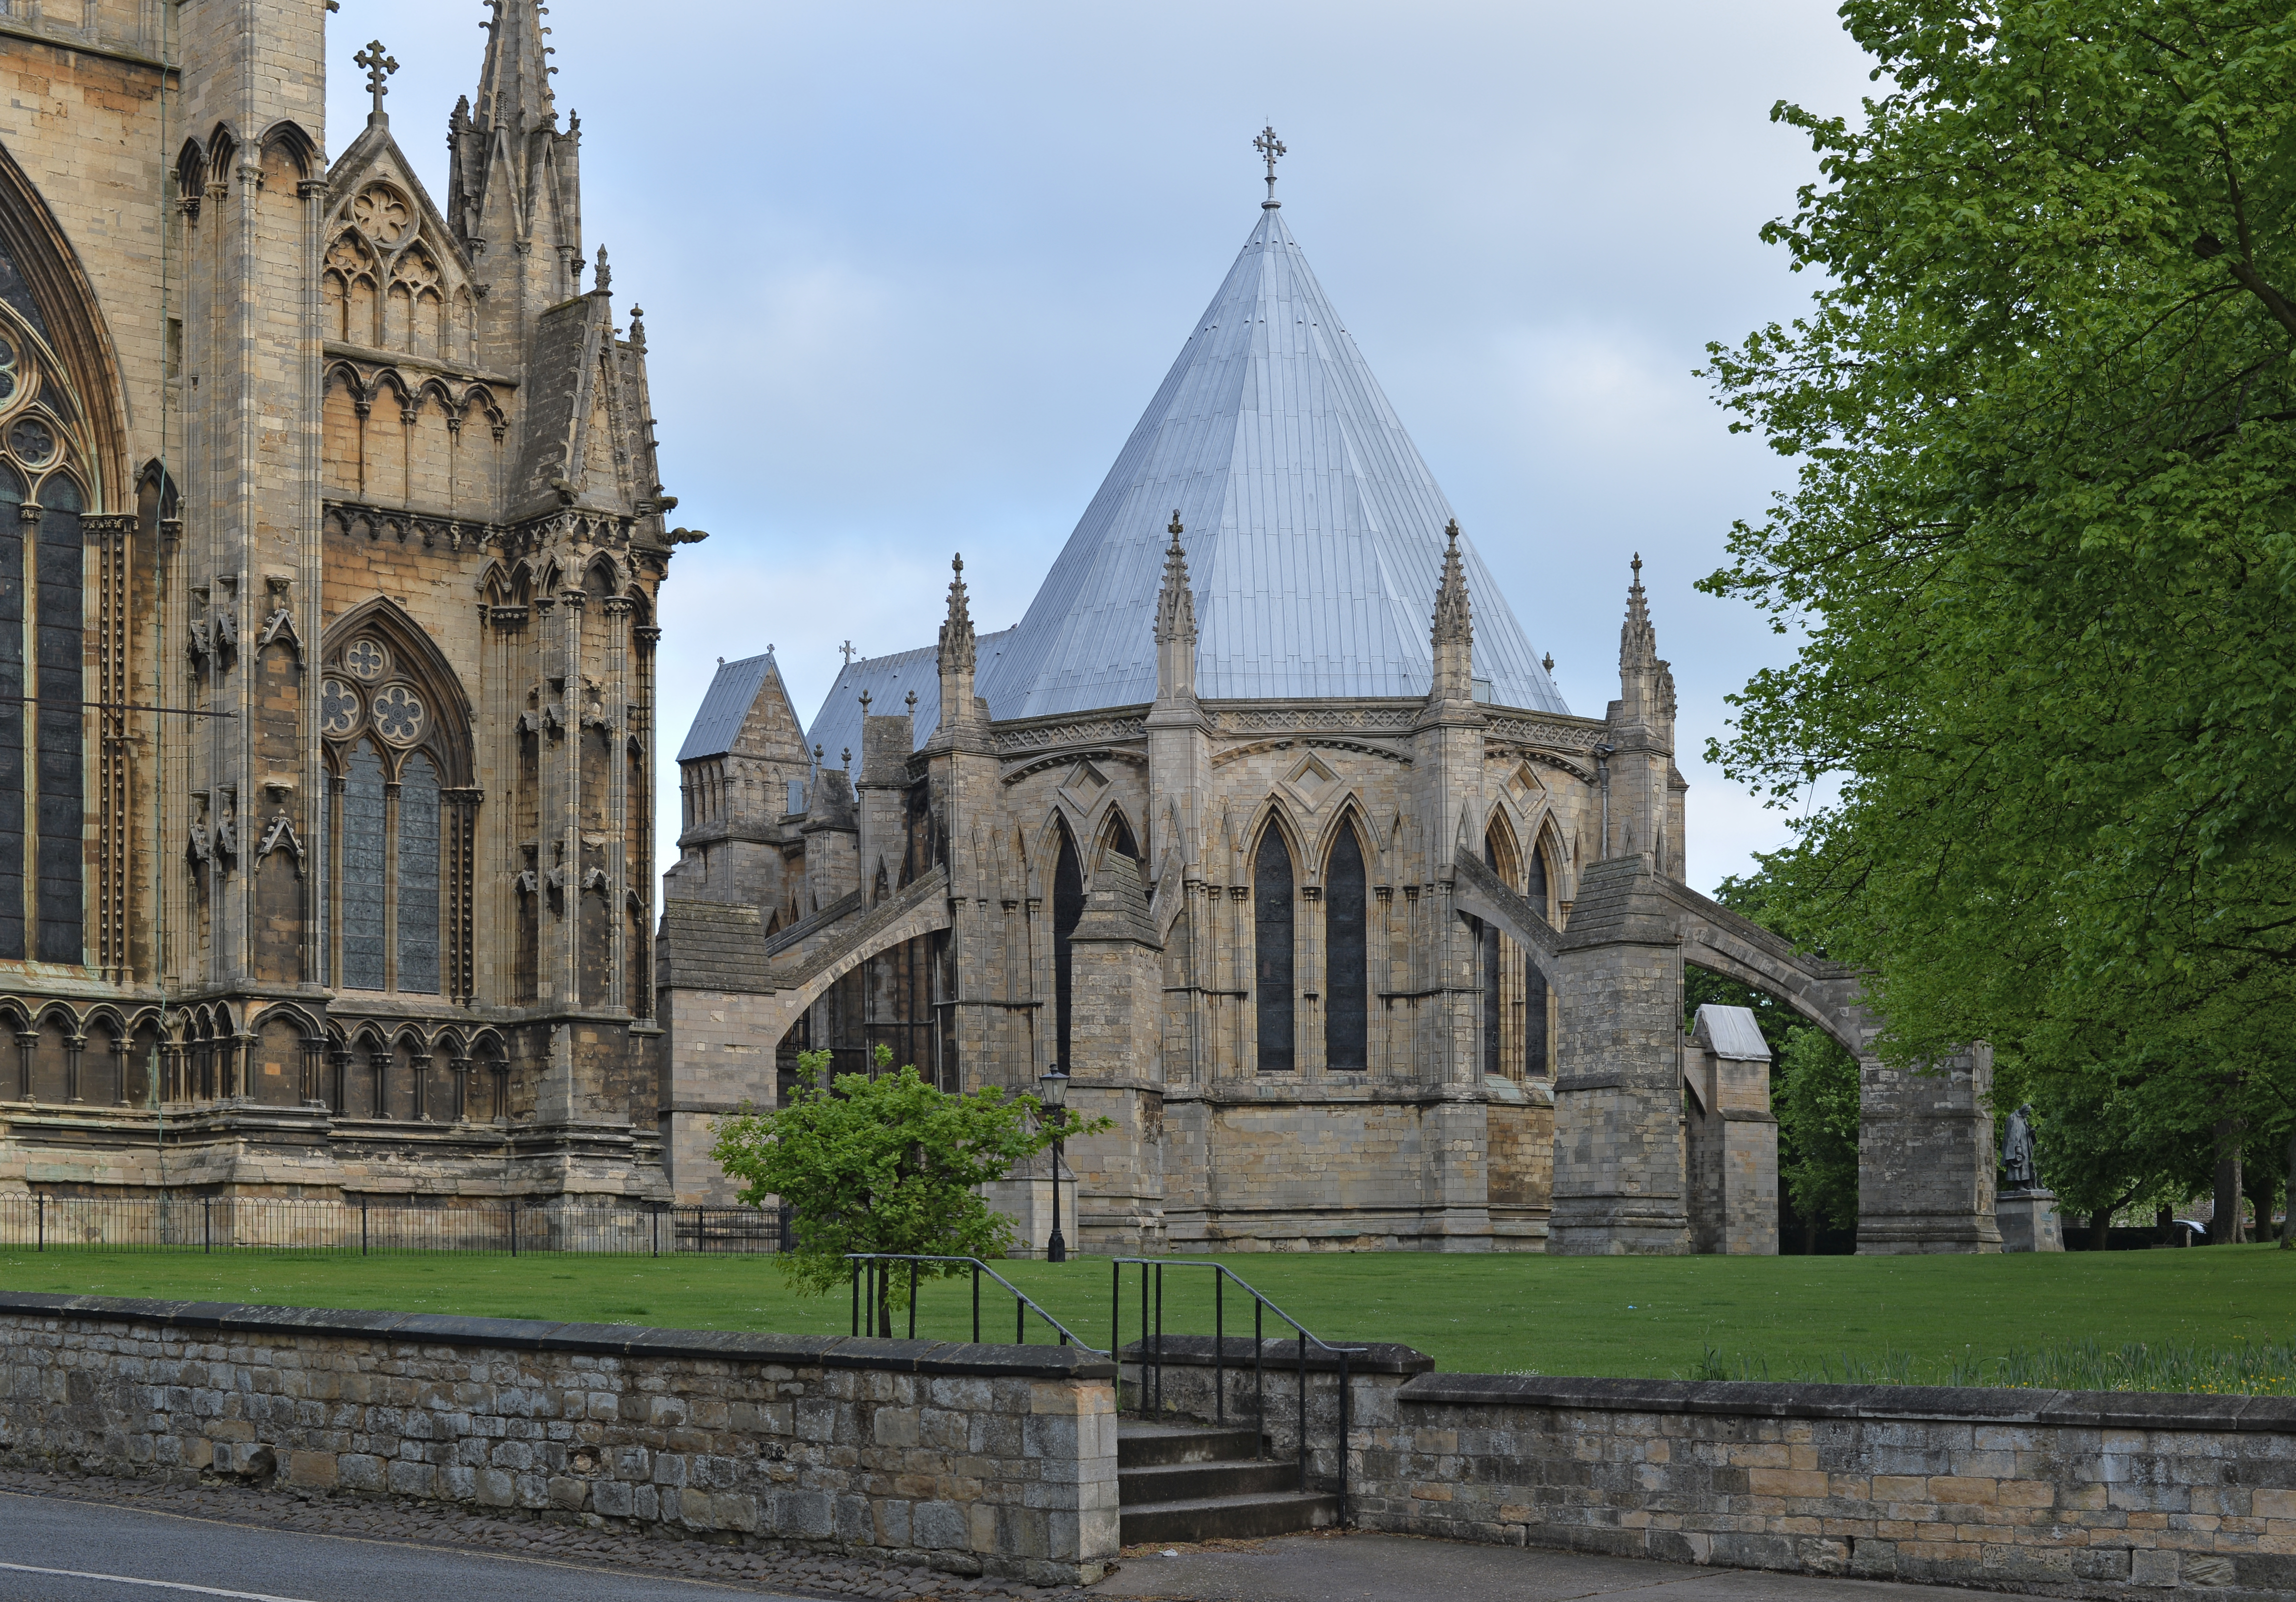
point(513, 178)
point(955, 654)
point(1645, 683)
point(514, 92)
point(1637, 640)
point(955, 651)
point(1176, 624)
point(1454, 630)
point(1297, 596)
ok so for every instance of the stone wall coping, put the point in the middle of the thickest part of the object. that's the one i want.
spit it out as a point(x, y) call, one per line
point(607, 1340)
point(2074, 1409)
point(1283, 1353)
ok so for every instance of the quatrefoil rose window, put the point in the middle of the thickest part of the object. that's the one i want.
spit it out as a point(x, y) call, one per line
point(399, 715)
point(367, 660)
point(339, 708)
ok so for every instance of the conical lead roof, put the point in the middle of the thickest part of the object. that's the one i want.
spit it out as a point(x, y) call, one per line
point(1315, 532)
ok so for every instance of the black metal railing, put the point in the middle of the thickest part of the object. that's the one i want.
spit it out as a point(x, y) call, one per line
point(66, 1223)
point(874, 1272)
point(1150, 1349)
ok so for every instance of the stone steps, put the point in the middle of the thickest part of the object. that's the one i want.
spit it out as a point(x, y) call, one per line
point(1177, 1482)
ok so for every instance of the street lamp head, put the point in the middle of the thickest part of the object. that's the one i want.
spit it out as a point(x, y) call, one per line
point(1052, 1088)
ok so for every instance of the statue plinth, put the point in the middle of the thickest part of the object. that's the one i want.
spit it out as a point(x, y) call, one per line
point(2027, 1217)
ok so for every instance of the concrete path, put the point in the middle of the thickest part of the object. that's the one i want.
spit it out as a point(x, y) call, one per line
point(53, 1550)
point(1399, 1568)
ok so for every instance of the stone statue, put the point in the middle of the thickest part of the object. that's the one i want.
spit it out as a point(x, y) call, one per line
point(2017, 1151)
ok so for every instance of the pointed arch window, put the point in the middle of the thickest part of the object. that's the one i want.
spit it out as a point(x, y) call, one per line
point(1492, 978)
point(42, 790)
point(364, 864)
point(1272, 920)
point(398, 860)
point(1347, 960)
point(1537, 1027)
point(1068, 911)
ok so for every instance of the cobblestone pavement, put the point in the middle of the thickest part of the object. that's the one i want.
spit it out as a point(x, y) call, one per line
point(375, 1518)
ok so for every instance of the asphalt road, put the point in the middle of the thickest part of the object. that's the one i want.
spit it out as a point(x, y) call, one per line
point(1399, 1568)
point(53, 1550)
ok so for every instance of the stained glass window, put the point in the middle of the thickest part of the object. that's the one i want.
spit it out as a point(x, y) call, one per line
point(361, 897)
point(1347, 998)
point(418, 877)
point(1271, 898)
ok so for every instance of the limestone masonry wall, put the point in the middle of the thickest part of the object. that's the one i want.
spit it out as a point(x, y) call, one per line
point(972, 1459)
point(2067, 1493)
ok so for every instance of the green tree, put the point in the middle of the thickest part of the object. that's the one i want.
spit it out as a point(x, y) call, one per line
point(1816, 1098)
point(885, 1162)
point(2043, 543)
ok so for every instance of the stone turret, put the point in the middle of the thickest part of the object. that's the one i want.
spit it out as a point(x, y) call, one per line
point(1454, 639)
point(1646, 803)
point(964, 720)
point(1175, 627)
point(514, 182)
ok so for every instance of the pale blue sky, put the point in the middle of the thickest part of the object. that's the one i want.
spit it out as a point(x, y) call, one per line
point(912, 271)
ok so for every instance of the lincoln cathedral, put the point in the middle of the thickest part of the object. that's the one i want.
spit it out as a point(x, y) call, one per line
point(327, 627)
point(328, 748)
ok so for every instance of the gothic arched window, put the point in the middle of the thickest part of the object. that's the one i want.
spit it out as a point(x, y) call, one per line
point(43, 800)
point(362, 858)
point(1068, 911)
point(396, 746)
point(1347, 964)
point(1271, 930)
point(1534, 984)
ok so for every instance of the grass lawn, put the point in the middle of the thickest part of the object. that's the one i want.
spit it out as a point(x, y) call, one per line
point(1655, 1316)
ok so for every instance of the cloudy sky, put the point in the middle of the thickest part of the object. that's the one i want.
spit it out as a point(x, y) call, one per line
point(911, 272)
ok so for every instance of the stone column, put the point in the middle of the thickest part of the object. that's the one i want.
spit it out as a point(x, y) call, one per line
point(1618, 1172)
point(1116, 1020)
point(1732, 1156)
point(1925, 1159)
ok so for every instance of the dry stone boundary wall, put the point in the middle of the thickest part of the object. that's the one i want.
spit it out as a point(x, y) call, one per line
point(996, 1460)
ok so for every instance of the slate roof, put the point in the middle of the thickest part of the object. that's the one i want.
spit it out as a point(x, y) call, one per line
point(725, 705)
point(1731, 1032)
point(1315, 531)
point(837, 726)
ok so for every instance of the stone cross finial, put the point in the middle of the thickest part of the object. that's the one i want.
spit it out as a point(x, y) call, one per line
point(911, 701)
point(846, 648)
point(864, 703)
point(379, 67)
point(1269, 147)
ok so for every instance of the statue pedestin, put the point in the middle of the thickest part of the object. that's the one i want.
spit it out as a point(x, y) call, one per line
point(2028, 1221)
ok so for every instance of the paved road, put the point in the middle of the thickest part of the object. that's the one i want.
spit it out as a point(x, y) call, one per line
point(120, 1554)
point(1397, 1568)
point(54, 1550)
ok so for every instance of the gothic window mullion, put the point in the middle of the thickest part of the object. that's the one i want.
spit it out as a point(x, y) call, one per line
point(391, 796)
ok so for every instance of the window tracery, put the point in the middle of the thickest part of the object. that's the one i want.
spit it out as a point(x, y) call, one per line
point(44, 467)
point(398, 748)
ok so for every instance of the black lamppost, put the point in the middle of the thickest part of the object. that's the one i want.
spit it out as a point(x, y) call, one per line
point(1055, 1095)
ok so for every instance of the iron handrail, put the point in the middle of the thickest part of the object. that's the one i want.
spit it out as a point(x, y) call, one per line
point(1151, 1355)
point(866, 1262)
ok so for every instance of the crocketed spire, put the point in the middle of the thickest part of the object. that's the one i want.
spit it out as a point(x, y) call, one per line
point(1637, 640)
point(1176, 624)
point(1454, 635)
point(956, 648)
